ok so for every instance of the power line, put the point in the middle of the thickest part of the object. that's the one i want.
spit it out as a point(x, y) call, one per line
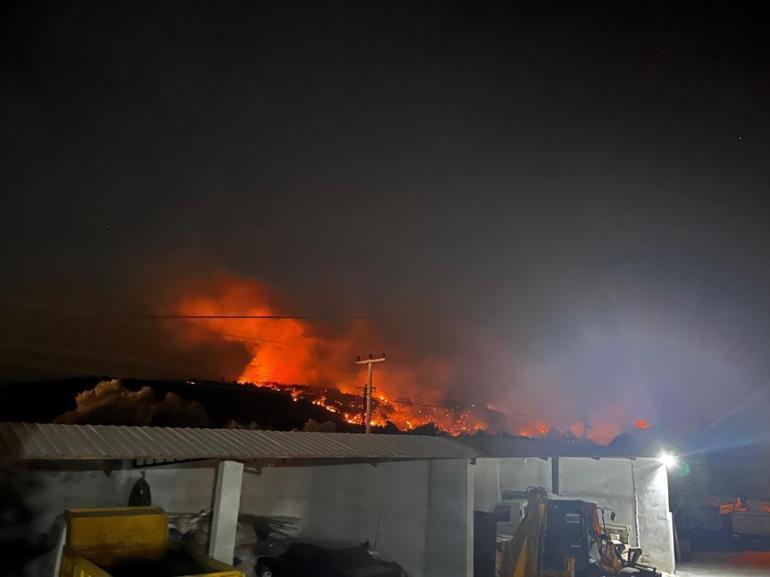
point(266, 317)
point(39, 309)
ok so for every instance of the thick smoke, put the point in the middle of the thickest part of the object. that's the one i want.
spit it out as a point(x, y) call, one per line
point(641, 360)
point(461, 378)
point(110, 403)
point(583, 358)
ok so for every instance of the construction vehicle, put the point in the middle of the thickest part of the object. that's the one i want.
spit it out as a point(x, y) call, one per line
point(562, 537)
point(128, 542)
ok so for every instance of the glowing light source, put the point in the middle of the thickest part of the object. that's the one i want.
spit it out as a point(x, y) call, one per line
point(668, 460)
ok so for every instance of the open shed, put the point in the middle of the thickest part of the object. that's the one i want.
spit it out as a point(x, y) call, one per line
point(411, 497)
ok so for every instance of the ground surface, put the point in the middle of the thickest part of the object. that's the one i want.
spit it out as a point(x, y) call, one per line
point(745, 564)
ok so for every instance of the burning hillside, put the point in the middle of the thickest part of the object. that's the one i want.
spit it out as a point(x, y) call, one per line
point(312, 359)
point(402, 412)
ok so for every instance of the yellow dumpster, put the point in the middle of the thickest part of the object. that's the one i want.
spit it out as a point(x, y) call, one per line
point(130, 542)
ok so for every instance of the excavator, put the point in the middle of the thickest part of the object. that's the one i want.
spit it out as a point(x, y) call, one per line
point(561, 537)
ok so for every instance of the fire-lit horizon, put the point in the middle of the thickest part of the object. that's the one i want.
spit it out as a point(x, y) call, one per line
point(547, 216)
point(296, 356)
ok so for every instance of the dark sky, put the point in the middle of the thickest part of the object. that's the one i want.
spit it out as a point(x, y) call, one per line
point(581, 184)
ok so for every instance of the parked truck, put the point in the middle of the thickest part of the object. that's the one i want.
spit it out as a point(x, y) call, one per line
point(716, 525)
point(127, 542)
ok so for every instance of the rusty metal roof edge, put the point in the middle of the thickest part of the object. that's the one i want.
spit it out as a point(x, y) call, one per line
point(54, 441)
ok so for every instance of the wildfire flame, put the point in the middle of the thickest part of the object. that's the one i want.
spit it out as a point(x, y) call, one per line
point(310, 361)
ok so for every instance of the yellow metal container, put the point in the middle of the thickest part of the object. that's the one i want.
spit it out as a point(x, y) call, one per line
point(104, 535)
point(99, 538)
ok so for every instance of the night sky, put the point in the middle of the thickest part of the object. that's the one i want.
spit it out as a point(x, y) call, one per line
point(565, 202)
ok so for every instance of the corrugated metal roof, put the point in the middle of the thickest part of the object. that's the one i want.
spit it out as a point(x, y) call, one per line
point(508, 446)
point(94, 442)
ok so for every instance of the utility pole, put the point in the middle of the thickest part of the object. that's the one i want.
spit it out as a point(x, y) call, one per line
point(368, 392)
point(586, 428)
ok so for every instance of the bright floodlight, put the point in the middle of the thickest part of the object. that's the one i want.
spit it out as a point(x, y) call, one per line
point(668, 460)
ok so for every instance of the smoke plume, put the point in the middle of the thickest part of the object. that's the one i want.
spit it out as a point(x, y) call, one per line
point(110, 403)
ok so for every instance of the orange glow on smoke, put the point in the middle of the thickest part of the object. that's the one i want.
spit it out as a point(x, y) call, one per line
point(293, 355)
point(641, 424)
point(282, 349)
point(603, 431)
point(294, 352)
point(314, 362)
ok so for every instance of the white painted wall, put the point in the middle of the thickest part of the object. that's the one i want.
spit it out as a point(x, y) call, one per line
point(606, 481)
point(519, 473)
point(419, 514)
point(405, 510)
point(386, 504)
point(486, 484)
point(637, 490)
point(179, 489)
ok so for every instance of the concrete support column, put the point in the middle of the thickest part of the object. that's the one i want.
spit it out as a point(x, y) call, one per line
point(227, 501)
point(470, 506)
point(555, 476)
point(449, 531)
